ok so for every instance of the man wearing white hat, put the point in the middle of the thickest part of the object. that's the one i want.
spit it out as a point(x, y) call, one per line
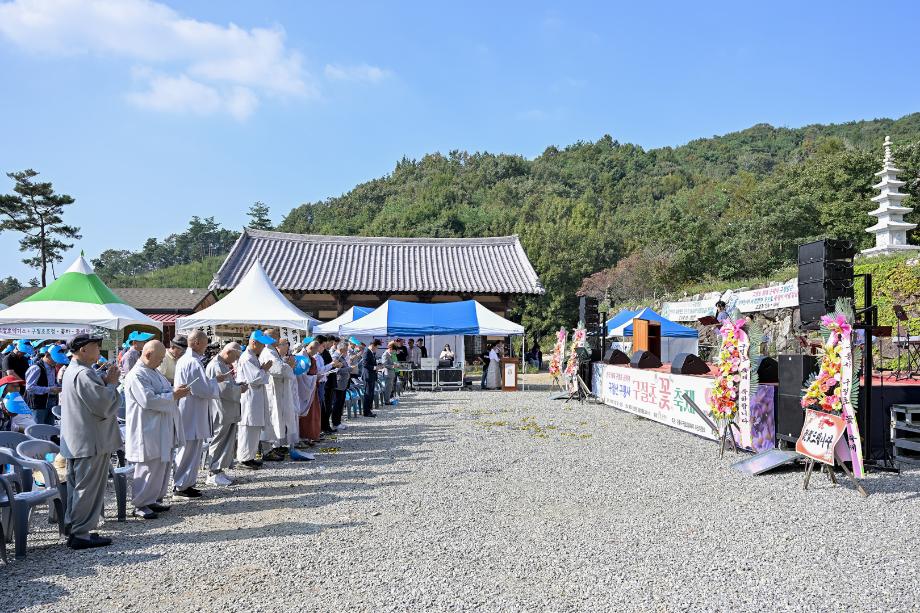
point(195, 412)
point(254, 401)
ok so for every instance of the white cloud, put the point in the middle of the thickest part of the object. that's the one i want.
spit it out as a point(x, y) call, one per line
point(184, 95)
point(188, 65)
point(359, 72)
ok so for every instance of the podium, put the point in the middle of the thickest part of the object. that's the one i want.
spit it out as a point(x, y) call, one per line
point(509, 370)
point(646, 336)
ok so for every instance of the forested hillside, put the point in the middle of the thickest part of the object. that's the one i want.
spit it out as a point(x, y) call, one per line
point(724, 208)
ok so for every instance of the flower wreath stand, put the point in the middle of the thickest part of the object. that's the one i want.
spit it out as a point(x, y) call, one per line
point(831, 435)
point(556, 360)
point(737, 380)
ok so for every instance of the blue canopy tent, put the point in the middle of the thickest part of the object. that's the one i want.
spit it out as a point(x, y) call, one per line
point(675, 338)
point(623, 317)
point(395, 317)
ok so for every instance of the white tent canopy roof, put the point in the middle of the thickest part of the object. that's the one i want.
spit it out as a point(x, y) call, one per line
point(77, 298)
point(332, 327)
point(254, 301)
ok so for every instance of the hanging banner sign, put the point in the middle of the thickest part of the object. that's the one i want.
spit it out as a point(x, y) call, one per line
point(768, 298)
point(764, 299)
point(691, 310)
point(820, 435)
point(48, 331)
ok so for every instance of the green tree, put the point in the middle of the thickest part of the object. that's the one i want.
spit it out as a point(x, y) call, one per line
point(37, 212)
point(258, 216)
point(8, 286)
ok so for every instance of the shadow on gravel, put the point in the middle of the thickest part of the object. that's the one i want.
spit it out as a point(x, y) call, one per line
point(21, 589)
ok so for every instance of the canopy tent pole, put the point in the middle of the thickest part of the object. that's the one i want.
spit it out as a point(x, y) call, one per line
point(523, 360)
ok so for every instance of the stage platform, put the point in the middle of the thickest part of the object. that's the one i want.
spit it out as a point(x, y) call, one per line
point(656, 394)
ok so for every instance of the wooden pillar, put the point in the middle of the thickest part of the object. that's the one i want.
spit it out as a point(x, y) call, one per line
point(341, 299)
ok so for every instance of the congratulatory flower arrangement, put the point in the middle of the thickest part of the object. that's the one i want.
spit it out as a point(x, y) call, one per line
point(737, 380)
point(555, 362)
point(840, 367)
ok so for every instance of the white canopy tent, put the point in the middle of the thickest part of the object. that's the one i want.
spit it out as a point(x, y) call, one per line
point(332, 327)
point(77, 302)
point(254, 301)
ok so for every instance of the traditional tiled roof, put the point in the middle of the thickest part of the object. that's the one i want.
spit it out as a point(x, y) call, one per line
point(141, 298)
point(361, 264)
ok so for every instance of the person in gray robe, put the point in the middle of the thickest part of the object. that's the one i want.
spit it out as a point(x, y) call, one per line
point(225, 414)
point(254, 401)
point(89, 435)
point(195, 411)
point(153, 429)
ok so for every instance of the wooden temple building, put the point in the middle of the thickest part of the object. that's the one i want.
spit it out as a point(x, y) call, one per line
point(325, 275)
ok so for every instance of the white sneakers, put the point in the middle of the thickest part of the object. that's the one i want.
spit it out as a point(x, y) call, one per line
point(219, 480)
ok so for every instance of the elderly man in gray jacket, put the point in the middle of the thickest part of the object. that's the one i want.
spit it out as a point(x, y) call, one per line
point(153, 429)
point(89, 435)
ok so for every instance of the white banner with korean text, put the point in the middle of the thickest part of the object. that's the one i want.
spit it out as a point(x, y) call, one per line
point(763, 299)
point(655, 395)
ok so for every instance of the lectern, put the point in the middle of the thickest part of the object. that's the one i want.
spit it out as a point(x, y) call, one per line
point(646, 336)
point(509, 368)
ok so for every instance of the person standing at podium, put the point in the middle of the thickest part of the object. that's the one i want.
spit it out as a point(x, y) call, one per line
point(721, 312)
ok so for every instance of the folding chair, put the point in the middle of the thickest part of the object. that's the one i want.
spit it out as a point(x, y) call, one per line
point(23, 478)
point(43, 432)
point(20, 504)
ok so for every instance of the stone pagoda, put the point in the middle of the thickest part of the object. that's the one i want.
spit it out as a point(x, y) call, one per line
point(891, 229)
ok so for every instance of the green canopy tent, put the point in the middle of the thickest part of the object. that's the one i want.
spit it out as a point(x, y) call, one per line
point(77, 302)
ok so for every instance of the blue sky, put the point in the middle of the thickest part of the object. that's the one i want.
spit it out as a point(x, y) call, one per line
point(150, 112)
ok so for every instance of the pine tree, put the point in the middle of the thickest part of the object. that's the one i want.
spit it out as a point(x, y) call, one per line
point(258, 216)
point(36, 211)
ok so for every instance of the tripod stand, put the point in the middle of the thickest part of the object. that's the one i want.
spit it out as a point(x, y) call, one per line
point(580, 390)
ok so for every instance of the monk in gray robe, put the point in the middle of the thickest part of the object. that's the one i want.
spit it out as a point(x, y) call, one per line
point(153, 429)
point(89, 435)
point(225, 414)
point(195, 411)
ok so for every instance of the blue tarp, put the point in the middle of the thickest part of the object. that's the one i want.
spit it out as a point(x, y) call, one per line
point(619, 319)
point(395, 317)
point(669, 329)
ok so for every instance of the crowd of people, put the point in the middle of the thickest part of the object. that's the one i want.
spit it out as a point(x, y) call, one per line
point(243, 406)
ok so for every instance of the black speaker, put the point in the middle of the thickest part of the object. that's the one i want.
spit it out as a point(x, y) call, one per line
point(587, 311)
point(645, 359)
point(794, 369)
point(811, 313)
point(768, 370)
point(824, 270)
point(790, 417)
point(615, 356)
point(826, 291)
point(827, 249)
point(688, 364)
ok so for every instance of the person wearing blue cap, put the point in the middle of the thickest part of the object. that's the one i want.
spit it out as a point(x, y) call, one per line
point(42, 387)
point(253, 402)
point(130, 357)
point(281, 429)
point(16, 362)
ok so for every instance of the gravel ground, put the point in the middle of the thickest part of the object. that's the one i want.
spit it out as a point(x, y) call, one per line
point(499, 502)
